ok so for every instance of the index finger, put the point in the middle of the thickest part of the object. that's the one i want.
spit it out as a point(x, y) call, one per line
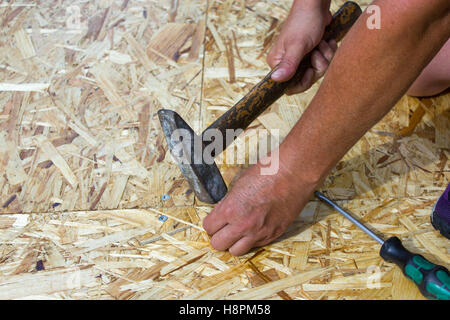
point(215, 220)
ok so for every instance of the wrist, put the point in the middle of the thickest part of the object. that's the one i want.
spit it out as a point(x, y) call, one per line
point(288, 168)
point(296, 161)
point(284, 181)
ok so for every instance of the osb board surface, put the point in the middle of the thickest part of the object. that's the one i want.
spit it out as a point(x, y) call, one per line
point(84, 163)
point(89, 102)
point(107, 254)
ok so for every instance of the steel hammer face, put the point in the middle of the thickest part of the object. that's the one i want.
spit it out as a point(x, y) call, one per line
point(186, 148)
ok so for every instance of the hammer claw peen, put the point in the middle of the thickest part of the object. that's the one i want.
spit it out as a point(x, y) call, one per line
point(204, 178)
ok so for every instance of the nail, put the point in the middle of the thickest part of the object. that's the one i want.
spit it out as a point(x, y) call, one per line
point(165, 197)
point(333, 44)
point(277, 74)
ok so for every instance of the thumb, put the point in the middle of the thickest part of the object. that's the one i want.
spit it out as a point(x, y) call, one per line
point(293, 54)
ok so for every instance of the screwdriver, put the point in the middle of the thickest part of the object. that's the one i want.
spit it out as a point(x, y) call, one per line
point(432, 280)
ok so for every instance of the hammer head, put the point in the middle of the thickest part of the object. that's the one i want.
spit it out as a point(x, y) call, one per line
point(186, 148)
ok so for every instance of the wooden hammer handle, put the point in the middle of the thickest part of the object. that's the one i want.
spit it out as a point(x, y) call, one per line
point(266, 92)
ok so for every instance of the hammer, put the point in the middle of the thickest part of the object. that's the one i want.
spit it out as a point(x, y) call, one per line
point(189, 149)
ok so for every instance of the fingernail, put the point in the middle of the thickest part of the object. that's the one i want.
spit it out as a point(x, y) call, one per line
point(277, 74)
point(333, 44)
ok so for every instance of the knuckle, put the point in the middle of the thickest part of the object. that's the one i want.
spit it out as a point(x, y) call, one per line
point(242, 247)
point(333, 45)
point(274, 56)
point(270, 60)
point(227, 212)
point(307, 44)
point(289, 62)
point(320, 63)
point(233, 216)
point(307, 80)
point(322, 68)
point(316, 56)
point(206, 226)
point(273, 53)
point(264, 232)
point(276, 232)
point(297, 89)
point(328, 54)
point(323, 45)
point(245, 225)
point(236, 252)
point(300, 40)
point(218, 244)
point(269, 234)
point(263, 242)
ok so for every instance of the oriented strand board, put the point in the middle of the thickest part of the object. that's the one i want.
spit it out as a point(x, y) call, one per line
point(89, 82)
point(134, 254)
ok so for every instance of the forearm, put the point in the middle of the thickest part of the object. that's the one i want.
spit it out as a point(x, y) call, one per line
point(311, 4)
point(368, 75)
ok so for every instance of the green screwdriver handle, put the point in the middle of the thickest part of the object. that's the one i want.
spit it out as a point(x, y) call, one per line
point(432, 280)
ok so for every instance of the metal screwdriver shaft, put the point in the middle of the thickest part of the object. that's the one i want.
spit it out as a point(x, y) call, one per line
point(432, 280)
point(322, 197)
